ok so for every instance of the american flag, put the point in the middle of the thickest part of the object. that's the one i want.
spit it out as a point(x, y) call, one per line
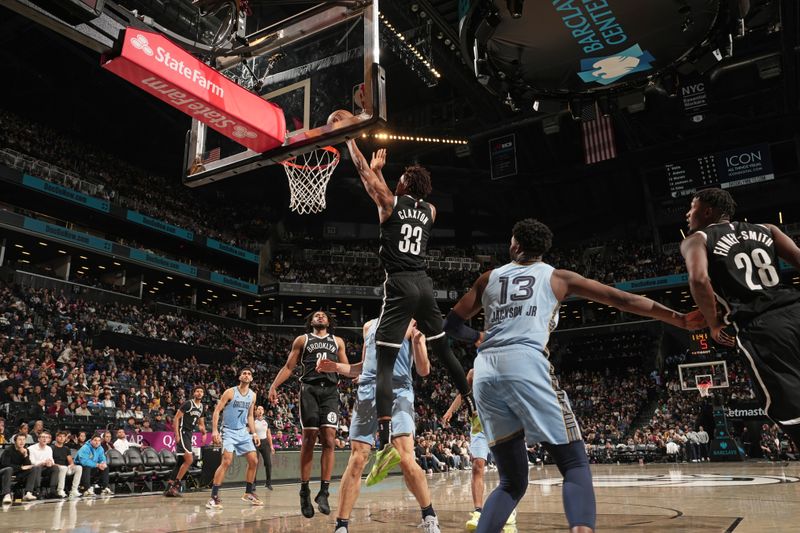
point(212, 155)
point(598, 136)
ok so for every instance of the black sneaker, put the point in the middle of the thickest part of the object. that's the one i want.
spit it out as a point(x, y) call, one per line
point(322, 502)
point(305, 503)
point(268, 486)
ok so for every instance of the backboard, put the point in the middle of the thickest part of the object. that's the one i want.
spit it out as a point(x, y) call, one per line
point(315, 62)
point(715, 372)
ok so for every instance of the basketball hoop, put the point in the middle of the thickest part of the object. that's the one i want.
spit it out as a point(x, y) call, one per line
point(308, 175)
point(705, 389)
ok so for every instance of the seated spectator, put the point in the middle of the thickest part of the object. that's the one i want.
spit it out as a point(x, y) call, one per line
point(121, 444)
point(57, 409)
point(41, 455)
point(93, 460)
point(106, 443)
point(66, 466)
point(17, 458)
point(83, 410)
point(23, 430)
point(3, 431)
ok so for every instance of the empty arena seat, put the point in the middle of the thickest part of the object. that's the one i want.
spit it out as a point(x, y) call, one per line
point(118, 472)
point(152, 461)
point(141, 473)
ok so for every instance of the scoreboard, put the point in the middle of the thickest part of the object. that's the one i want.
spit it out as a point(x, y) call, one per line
point(732, 168)
point(699, 343)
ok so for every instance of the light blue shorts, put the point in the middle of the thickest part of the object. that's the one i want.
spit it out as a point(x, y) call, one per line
point(238, 441)
point(515, 391)
point(478, 445)
point(364, 424)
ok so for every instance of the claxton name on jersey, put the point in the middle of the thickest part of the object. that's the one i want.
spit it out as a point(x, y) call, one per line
point(413, 213)
point(729, 240)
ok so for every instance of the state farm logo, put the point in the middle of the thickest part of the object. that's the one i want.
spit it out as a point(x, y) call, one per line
point(240, 132)
point(140, 42)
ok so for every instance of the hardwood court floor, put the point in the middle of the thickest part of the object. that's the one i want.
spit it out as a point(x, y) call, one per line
point(716, 497)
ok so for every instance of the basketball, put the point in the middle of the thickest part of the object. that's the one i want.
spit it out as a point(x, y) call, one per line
point(339, 114)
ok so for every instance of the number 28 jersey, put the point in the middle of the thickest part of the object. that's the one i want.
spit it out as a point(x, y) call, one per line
point(520, 307)
point(745, 271)
point(404, 235)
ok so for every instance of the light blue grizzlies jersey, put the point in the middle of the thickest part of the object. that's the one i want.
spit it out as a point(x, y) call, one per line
point(520, 308)
point(401, 375)
point(234, 415)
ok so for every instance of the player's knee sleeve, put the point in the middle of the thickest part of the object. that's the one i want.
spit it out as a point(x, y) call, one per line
point(384, 399)
point(441, 347)
point(578, 492)
point(512, 466)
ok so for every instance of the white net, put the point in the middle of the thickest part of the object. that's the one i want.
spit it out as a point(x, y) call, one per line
point(705, 389)
point(308, 179)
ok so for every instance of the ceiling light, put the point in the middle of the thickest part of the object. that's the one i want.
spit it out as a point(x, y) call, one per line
point(25, 253)
point(117, 264)
point(19, 246)
point(169, 277)
point(186, 285)
point(101, 267)
point(62, 251)
point(42, 243)
point(83, 257)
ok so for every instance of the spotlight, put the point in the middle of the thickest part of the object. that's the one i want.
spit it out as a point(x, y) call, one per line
point(414, 7)
point(515, 7)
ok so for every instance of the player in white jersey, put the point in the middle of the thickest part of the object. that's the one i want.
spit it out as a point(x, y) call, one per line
point(364, 424)
point(515, 389)
point(238, 435)
point(479, 449)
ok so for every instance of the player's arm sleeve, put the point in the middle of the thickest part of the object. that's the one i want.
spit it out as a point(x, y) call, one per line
point(468, 306)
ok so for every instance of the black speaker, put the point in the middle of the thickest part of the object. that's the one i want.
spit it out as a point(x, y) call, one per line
point(212, 457)
point(73, 11)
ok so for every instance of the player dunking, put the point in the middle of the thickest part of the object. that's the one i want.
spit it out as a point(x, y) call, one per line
point(189, 416)
point(479, 449)
point(736, 264)
point(238, 435)
point(364, 423)
point(406, 220)
point(516, 392)
point(319, 403)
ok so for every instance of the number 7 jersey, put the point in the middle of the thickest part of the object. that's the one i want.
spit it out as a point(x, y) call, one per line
point(519, 306)
point(744, 270)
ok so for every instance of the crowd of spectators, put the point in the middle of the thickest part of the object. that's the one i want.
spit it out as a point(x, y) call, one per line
point(99, 174)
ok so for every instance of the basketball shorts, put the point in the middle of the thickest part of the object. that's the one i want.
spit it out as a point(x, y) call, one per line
point(515, 391)
point(184, 445)
point(364, 424)
point(408, 295)
point(319, 405)
point(770, 345)
point(238, 441)
point(479, 445)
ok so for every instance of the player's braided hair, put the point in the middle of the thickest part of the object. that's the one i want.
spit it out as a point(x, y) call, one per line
point(533, 236)
point(718, 199)
point(310, 317)
point(418, 181)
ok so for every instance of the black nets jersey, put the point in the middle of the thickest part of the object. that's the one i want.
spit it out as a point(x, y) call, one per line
point(314, 349)
point(745, 271)
point(404, 235)
point(191, 414)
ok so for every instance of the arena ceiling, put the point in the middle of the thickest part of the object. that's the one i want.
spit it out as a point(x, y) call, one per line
point(59, 82)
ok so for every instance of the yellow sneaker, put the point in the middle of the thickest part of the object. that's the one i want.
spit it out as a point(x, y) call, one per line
point(472, 523)
point(385, 460)
point(511, 523)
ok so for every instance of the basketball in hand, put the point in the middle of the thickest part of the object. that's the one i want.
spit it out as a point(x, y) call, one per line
point(339, 114)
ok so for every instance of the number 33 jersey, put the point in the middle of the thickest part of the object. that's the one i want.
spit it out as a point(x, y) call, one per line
point(520, 307)
point(745, 271)
point(317, 348)
point(404, 235)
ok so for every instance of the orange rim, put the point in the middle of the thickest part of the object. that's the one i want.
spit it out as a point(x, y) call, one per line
point(290, 162)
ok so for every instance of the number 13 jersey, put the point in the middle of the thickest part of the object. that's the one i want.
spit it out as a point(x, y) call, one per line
point(404, 235)
point(745, 271)
point(520, 307)
point(315, 349)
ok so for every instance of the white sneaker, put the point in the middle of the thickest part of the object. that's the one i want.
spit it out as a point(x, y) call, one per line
point(8, 499)
point(430, 524)
point(61, 494)
point(107, 492)
point(74, 494)
point(89, 492)
point(29, 497)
